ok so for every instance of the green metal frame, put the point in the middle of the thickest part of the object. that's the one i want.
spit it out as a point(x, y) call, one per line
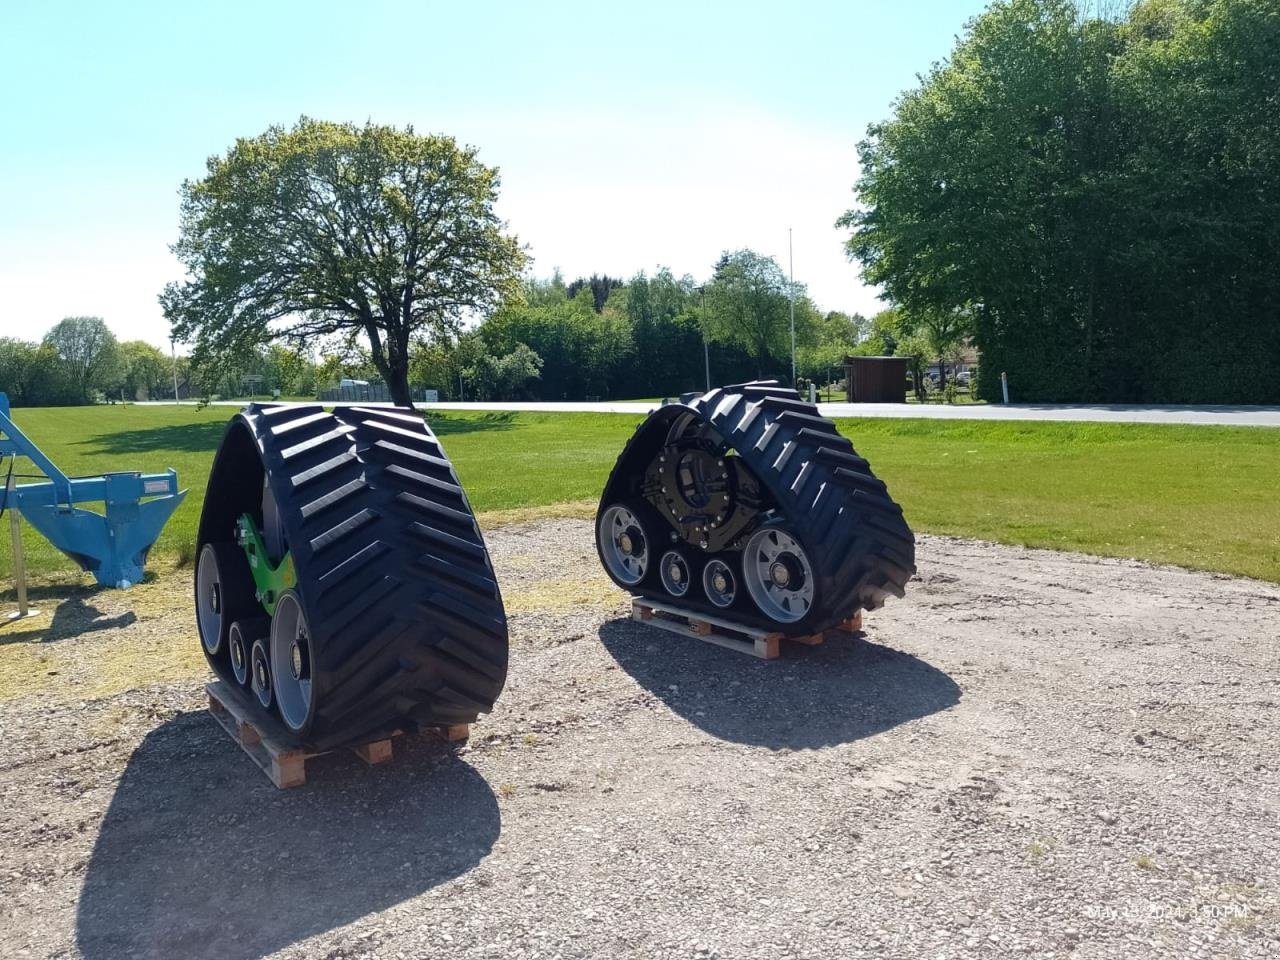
point(269, 581)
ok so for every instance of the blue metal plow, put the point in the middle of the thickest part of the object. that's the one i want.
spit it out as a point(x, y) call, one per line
point(112, 545)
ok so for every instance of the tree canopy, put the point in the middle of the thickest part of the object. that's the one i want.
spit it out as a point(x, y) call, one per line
point(332, 229)
point(1101, 194)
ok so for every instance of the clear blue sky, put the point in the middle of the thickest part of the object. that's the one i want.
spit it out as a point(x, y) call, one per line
point(628, 135)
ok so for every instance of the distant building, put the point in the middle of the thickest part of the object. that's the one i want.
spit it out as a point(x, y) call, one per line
point(876, 379)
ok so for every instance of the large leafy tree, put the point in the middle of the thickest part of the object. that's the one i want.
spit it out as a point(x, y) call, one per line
point(331, 229)
point(748, 303)
point(89, 354)
point(1100, 191)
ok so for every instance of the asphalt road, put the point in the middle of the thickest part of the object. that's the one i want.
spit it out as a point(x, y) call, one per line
point(1235, 416)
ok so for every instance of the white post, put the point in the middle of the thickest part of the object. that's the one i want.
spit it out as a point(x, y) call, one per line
point(173, 352)
point(19, 564)
point(791, 257)
point(1004, 385)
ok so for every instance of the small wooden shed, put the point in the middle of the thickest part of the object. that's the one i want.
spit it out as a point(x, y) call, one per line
point(876, 379)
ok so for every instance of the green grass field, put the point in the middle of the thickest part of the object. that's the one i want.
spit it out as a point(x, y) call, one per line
point(1203, 497)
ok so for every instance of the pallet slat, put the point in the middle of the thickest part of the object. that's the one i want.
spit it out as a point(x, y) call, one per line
point(284, 764)
point(756, 642)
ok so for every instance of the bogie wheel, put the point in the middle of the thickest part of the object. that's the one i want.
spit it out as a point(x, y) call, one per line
point(676, 573)
point(626, 537)
point(260, 672)
point(240, 642)
point(224, 592)
point(719, 583)
point(778, 575)
point(291, 667)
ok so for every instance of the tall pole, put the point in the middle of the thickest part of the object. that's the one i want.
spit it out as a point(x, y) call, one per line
point(706, 350)
point(792, 265)
point(173, 352)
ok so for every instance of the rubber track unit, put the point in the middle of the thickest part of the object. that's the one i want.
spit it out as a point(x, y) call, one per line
point(406, 620)
point(858, 541)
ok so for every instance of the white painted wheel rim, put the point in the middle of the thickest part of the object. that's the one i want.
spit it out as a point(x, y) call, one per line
point(719, 583)
point(767, 547)
point(617, 545)
point(291, 663)
point(674, 571)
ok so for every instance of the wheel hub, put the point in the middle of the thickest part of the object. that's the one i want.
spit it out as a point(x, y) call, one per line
point(295, 659)
point(720, 582)
point(215, 598)
point(786, 572)
point(675, 572)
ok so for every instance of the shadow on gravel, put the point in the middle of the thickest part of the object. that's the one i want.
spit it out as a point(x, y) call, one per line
point(72, 617)
point(200, 856)
point(812, 697)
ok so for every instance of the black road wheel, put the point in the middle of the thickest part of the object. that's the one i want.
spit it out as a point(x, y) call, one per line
point(240, 642)
point(224, 592)
point(291, 667)
point(717, 469)
point(676, 573)
point(720, 583)
point(403, 616)
point(260, 674)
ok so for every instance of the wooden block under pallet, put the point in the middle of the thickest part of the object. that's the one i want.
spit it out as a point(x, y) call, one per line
point(754, 641)
point(285, 763)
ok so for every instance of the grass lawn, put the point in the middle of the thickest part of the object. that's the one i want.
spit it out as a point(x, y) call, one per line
point(1203, 497)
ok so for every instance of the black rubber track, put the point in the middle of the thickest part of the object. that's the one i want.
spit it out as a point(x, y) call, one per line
point(858, 542)
point(407, 623)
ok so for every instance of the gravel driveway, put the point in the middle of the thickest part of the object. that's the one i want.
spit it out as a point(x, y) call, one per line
point(1034, 754)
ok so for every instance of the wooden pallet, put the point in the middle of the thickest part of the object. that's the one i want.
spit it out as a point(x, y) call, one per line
point(270, 747)
point(756, 642)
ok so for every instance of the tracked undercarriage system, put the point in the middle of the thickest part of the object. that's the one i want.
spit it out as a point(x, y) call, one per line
point(746, 503)
point(341, 578)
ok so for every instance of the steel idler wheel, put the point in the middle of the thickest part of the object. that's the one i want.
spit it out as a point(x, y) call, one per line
point(240, 642)
point(224, 592)
point(623, 543)
point(260, 672)
point(675, 572)
point(291, 666)
point(778, 575)
point(719, 583)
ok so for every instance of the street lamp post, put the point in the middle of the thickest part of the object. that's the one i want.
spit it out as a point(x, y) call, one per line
point(792, 290)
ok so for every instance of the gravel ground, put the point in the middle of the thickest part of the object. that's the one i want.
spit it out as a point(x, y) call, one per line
point(1034, 754)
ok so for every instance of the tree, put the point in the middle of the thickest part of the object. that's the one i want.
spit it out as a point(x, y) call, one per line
point(832, 338)
point(1101, 190)
point(491, 377)
point(88, 350)
point(748, 304)
point(331, 229)
point(144, 370)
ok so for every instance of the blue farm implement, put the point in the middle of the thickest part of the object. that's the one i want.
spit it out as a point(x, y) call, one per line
point(112, 545)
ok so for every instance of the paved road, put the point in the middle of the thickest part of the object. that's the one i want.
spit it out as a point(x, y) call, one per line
point(1238, 416)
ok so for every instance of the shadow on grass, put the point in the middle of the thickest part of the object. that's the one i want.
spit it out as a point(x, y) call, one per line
point(183, 437)
point(841, 691)
point(442, 424)
point(205, 437)
point(72, 617)
point(200, 856)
